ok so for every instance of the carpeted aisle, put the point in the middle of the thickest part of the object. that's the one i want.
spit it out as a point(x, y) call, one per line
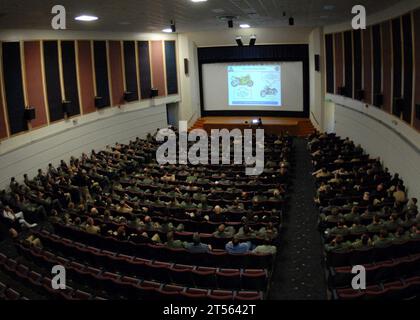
point(299, 273)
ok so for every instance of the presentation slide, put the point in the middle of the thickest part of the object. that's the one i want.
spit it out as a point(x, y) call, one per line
point(254, 85)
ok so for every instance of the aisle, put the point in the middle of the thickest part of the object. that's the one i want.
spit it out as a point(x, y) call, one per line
point(299, 274)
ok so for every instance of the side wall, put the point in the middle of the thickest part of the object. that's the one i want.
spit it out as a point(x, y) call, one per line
point(55, 142)
point(382, 135)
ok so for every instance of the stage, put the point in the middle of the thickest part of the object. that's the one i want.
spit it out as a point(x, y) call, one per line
point(275, 125)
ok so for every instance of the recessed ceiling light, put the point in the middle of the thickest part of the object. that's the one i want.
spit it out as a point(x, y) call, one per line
point(86, 18)
point(245, 26)
point(198, 0)
point(167, 30)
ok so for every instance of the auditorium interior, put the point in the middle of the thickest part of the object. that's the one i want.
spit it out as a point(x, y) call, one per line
point(237, 151)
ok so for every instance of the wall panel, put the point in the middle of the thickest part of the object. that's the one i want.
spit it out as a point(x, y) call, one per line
point(416, 22)
point(387, 65)
point(397, 62)
point(34, 82)
point(377, 60)
point(68, 58)
point(117, 78)
point(408, 67)
point(87, 90)
point(367, 65)
point(171, 71)
point(329, 63)
point(357, 54)
point(158, 67)
point(122, 127)
point(101, 72)
point(144, 66)
point(13, 87)
point(348, 63)
point(3, 124)
point(339, 63)
point(52, 80)
point(130, 68)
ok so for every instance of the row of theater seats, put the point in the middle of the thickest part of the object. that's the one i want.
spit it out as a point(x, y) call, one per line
point(189, 275)
point(8, 293)
point(407, 288)
point(214, 258)
point(393, 269)
point(41, 284)
point(114, 285)
point(373, 255)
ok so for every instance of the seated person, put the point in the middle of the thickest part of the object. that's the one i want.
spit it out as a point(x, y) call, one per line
point(33, 241)
point(124, 207)
point(400, 235)
point(415, 232)
point(16, 217)
point(363, 242)
point(172, 243)
point(91, 228)
point(340, 229)
point(245, 232)
point(399, 195)
point(338, 244)
point(382, 240)
point(217, 215)
point(268, 231)
point(236, 247)
point(357, 228)
point(265, 248)
point(223, 232)
point(196, 246)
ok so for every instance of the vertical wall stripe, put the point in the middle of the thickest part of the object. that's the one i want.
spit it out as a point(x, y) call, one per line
point(158, 68)
point(101, 72)
point(387, 65)
point(123, 65)
point(358, 62)
point(116, 72)
point(13, 87)
point(408, 67)
point(76, 46)
point(130, 68)
point(34, 85)
point(144, 69)
point(60, 68)
point(23, 71)
point(329, 63)
point(86, 77)
point(69, 69)
point(348, 63)
point(109, 74)
point(4, 130)
point(377, 62)
point(416, 22)
point(53, 80)
point(137, 70)
point(397, 61)
point(44, 82)
point(171, 68)
point(339, 63)
point(367, 65)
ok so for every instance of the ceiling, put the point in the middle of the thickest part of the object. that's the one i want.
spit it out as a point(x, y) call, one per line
point(154, 15)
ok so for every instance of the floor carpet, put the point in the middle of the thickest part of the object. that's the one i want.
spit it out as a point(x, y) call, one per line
point(299, 273)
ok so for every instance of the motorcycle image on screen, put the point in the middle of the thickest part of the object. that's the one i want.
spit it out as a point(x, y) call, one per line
point(268, 91)
point(242, 81)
